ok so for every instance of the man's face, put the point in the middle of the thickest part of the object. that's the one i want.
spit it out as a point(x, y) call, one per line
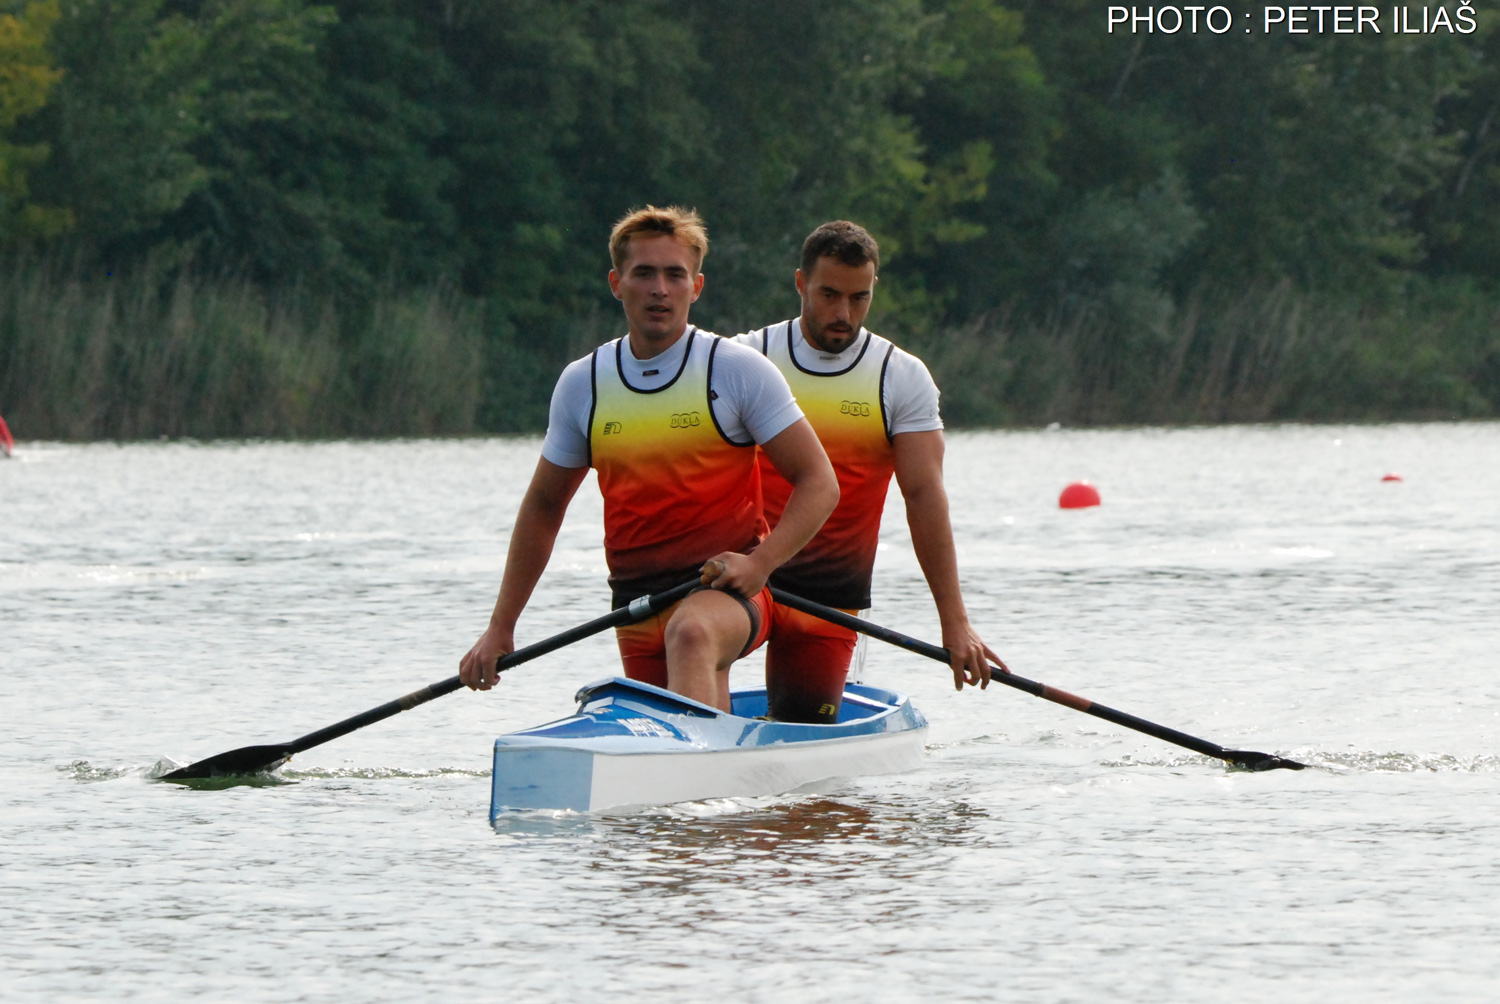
point(835, 300)
point(657, 283)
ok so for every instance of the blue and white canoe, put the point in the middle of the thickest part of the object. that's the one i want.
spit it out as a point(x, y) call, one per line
point(634, 744)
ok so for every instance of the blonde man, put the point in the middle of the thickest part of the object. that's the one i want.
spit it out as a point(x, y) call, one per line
point(670, 417)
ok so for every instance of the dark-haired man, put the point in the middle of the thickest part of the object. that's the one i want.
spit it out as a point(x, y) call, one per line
point(670, 416)
point(875, 409)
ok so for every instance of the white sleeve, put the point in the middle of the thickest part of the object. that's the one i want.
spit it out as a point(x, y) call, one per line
point(567, 442)
point(910, 396)
point(754, 401)
point(755, 339)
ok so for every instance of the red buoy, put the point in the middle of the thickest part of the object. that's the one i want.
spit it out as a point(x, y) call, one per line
point(1078, 495)
point(1391, 477)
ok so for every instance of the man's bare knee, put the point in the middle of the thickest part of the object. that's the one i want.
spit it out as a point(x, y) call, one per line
point(708, 628)
point(686, 632)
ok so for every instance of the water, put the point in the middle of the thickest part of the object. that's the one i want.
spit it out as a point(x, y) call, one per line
point(1259, 587)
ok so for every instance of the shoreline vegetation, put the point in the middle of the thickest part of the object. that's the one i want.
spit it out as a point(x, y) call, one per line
point(330, 218)
point(115, 359)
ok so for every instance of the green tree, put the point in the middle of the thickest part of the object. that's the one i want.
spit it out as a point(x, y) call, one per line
point(812, 117)
point(1308, 155)
point(121, 121)
point(320, 146)
point(26, 77)
point(568, 114)
point(264, 136)
point(986, 119)
point(1461, 216)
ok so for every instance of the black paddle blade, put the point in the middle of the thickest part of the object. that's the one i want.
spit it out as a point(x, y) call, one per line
point(245, 760)
point(1251, 760)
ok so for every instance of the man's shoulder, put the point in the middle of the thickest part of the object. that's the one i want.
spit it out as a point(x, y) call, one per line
point(576, 380)
point(900, 359)
point(608, 348)
point(909, 360)
point(882, 343)
point(582, 364)
point(741, 350)
point(746, 379)
point(757, 338)
point(754, 339)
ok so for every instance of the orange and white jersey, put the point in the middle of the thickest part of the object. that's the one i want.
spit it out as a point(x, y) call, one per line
point(857, 401)
point(672, 439)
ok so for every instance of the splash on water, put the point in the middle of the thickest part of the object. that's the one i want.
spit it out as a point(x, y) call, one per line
point(378, 773)
point(988, 739)
point(1360, 762)
point(1411, 763)
point(1175, 761)
point(87, 773)
point(286, 776)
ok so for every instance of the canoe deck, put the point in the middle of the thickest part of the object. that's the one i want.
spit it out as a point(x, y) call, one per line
point(630, 743)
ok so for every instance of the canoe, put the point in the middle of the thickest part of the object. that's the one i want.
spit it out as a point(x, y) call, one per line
point(630, 743)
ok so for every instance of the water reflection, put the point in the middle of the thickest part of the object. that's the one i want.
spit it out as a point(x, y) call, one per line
point(687, 837)
point(802, 843)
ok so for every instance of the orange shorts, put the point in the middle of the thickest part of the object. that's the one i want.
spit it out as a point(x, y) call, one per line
point(806, 663)
point(643, 645)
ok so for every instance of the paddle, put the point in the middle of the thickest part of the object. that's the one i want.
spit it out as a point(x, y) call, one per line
point(1248, 759)
point(258, 759)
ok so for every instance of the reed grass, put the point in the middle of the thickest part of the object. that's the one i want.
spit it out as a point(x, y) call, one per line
point(1264, 354)
point(105, 358)
point(96, 357)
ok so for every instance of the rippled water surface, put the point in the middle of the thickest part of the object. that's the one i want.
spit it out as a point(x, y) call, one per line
point(1259, 587)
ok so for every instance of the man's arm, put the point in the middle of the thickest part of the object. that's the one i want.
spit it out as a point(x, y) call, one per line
point(919, 473)
point(797, 456)
point(540, 517)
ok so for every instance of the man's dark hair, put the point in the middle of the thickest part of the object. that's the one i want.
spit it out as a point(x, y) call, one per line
point(845, 242)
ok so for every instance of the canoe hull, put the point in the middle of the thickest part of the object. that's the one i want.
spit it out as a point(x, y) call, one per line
point(634, 744)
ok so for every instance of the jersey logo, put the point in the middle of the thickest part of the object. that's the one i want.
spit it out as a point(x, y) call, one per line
point(612, 428)
point(686, 419)
point(859, 409)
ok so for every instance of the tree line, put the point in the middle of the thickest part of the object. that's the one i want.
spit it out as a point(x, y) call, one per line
point(279, 217)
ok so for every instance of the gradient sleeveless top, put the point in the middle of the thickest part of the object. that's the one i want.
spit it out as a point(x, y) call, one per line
point(676, 490)
point(845, 410)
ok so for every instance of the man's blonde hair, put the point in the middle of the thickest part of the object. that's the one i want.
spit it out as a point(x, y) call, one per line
point(673, 221)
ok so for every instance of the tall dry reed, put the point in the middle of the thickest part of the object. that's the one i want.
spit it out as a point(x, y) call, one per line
point(91, 358)
point(1262, 354)
point(120, 359)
